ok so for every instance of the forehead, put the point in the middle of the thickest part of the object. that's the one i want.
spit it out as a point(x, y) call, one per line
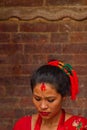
point(49, 89)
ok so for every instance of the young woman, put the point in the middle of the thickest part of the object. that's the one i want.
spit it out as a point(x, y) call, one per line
point(50, 85)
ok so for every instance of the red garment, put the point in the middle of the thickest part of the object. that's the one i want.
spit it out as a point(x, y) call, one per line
point(73, 123)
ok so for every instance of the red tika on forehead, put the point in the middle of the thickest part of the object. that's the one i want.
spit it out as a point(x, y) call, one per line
point(43, 87)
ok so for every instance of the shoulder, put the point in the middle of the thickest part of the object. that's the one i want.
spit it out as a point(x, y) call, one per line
point(77, 122)
point(22, 123)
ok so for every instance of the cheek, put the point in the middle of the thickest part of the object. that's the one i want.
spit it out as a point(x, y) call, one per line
point(56, 106)
point(55, 110)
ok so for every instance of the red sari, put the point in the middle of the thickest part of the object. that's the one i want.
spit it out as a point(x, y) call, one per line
point(73, 123)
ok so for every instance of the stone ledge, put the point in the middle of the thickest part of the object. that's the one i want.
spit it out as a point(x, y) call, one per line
point(48, 13)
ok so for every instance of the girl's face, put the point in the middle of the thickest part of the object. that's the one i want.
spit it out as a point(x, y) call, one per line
point(48, 102)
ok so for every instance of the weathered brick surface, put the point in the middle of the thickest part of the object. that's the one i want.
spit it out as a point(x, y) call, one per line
point(21, 3)
point(40, 3)
point(69, 2)
point(29, 38)
point(38, 27)
point(80, 59)
point(22, 91)
point(25, 45)
point(10, 49)
point(59, 38)
point(82, 87)
point(78, 37)
point(14, 80)
point(8, 27)
point(72, 26)
point(4, 37)
point(43, 48)
point(79, 48)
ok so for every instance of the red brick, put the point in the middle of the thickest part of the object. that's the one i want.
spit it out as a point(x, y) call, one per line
point(78, 37)
point(19, 112)
point(43, 49)
point(18, 70)
point(77, 26)
point(20, 91)
point(21, 3)
point(7, 113)
point(10, 48)
point(80, 59)
point(15, 70)
point(83, 90)
point(74, 26)
point(3, 59)
point(17, 58)
point(15, 80)
point(81, 69)
point(25, 102)
point(82, 86)
point(85, 26)
point(2, 2)
point(6, 71)
point(82, 82)
point(74, 48)
point(69, 2)
point(8, 27)
point(64, 26)
point(2, 90)
point(6, 126)
point(9, 102)
point(30, 38)
point(64, 58)
point(24, 70)
point(4, 37)
point(38, 59)
point(59, 37)
point(38, 27)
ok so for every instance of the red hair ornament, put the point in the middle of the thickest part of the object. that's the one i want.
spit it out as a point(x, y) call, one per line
point(67, 68)
point(74, 85)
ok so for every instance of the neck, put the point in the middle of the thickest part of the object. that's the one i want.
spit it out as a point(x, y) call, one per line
point(52, 121)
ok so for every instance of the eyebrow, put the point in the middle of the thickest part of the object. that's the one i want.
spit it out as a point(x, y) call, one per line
point(45, 97)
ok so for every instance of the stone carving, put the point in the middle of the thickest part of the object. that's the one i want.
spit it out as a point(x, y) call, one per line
point(48, 13)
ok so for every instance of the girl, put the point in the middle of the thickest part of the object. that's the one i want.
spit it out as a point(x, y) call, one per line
point(50, 85)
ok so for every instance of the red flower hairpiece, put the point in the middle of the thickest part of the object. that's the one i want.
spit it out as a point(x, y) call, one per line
point(67, 68)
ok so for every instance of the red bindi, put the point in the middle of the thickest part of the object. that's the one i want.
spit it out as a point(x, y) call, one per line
point(43, 87)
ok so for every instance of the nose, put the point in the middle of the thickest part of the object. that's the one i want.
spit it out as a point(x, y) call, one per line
point(43, 105)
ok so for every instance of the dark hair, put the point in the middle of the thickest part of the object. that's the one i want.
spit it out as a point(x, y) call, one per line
point(53, 75)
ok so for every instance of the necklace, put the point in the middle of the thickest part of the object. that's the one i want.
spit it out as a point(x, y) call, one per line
point(60, 124)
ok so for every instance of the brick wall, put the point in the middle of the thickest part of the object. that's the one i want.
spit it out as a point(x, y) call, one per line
point(25, 44)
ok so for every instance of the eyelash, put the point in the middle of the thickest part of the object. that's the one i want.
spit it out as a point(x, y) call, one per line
point(38, 99)
point(49, 100)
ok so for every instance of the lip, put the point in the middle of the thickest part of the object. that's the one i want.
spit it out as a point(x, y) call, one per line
point(44, 113)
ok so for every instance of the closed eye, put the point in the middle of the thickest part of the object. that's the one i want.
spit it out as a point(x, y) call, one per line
point(37, 98)
point(50, 100)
